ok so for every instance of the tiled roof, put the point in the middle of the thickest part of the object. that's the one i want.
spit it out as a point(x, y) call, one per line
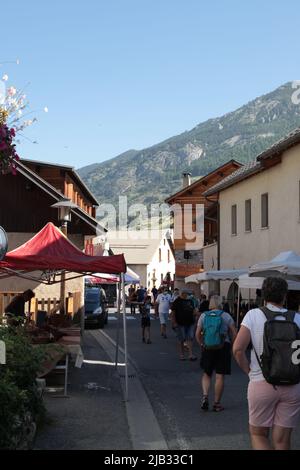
point(243, 172)
point(293, 138)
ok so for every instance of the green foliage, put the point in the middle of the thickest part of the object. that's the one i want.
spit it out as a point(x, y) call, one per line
point(19, 396)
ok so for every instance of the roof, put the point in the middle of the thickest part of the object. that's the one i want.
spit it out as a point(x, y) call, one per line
point(55, 194)
point(254, 167)
point(245, 171)
point(50, 250)
point(203, 179)
point(293, 138)
point(70, 169)
point(138, 247)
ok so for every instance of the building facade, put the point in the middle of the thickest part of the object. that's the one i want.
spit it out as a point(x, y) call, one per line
point(150, 254)
point(193, 230)
point(259, 208)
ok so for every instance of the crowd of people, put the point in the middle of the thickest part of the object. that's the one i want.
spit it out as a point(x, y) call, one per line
point(274, 379)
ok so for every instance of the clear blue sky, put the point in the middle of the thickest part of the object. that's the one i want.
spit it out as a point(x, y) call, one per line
point(122, 74)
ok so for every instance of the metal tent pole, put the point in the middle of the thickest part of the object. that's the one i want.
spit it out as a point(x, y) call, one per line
point(125, 336)
point(238, 308)
point(118, 322)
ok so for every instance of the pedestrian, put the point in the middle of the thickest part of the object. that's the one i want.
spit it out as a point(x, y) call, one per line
point(141, 294)
point(183, 323)
point(154, 293)
point(175, 295)
point(146, 320)
point(274, 408)
point(133, 301)
point(204, 304)
point(163, 302)
point(15, 310)
point(215, 333)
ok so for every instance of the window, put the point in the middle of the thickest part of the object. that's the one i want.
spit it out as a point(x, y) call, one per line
point(159, 255)
point(234, 220)
point(265, 210)
point(248, 215)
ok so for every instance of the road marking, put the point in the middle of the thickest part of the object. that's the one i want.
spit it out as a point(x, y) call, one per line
point(144, 428)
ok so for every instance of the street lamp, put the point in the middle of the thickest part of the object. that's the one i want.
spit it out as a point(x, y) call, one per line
point(64, 216)
point(64, 213)
point(3, 243)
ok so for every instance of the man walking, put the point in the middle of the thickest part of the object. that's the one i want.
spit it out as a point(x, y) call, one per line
point(214, 330)
point(183, 323)
point(272, 406)
point(163, 302)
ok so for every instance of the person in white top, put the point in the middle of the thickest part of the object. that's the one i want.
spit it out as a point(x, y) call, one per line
point(275, 408)
point(163, 302)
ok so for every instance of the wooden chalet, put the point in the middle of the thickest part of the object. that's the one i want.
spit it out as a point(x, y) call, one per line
point(189, 256)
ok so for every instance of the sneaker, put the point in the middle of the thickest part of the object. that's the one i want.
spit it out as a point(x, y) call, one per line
point(205, 404)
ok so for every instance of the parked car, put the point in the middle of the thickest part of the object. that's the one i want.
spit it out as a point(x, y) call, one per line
point(95, 304)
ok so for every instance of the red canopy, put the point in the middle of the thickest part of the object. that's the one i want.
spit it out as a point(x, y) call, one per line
point(50, 250)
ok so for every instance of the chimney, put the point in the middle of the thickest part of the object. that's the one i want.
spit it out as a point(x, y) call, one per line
point(186, 180)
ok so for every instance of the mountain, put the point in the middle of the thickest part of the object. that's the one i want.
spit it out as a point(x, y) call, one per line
point(150, 175)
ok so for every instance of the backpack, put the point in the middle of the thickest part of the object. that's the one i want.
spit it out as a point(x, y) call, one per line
point(213, 330)
point(276, 360)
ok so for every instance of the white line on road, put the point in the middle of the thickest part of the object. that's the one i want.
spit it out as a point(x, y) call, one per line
point(144, 428)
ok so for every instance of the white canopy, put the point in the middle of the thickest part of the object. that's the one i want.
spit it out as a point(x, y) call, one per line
point(225, 275)
point(286, 264)
point(246, 282)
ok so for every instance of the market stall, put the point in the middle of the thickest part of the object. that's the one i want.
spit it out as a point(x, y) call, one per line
point(49, 255)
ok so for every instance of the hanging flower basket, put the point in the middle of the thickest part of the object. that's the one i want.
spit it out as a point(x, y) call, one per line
point(8, 154)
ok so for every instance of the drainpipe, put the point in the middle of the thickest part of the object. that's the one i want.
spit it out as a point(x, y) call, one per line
point(218, 241)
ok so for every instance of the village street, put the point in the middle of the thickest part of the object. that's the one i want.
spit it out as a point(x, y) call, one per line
point(172, 387)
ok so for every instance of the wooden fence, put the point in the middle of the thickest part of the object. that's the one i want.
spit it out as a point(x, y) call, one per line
point(73, 304)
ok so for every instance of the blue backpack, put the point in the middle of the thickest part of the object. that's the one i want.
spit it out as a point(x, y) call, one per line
point(213, 330)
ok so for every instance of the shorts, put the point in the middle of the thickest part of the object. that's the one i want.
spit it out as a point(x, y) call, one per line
point(163, 318)
point(145, 322)
point(269, 406)
point(217, 360)
point(185, 333)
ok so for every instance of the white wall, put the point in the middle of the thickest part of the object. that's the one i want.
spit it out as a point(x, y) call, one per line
point(281, 182)
point(161, 267)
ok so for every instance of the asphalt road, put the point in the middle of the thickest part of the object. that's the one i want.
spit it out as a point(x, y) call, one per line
point(173, 387)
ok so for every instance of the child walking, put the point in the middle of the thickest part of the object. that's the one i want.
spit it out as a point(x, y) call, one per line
point(146, 322)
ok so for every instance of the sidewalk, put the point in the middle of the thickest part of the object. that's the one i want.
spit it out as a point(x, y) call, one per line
point(94, 417)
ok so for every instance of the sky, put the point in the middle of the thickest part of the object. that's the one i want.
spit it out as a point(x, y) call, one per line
point(127, 74)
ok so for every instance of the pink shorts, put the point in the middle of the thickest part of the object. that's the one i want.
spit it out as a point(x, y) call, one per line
point(269, 406)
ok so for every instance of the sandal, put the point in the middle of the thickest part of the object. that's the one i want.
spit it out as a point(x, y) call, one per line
point(218, 407)
point(205, 403)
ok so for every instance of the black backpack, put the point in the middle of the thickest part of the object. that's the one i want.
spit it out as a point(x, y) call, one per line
point(276, 360)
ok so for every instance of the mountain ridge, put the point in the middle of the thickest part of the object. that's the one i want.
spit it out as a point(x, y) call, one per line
point(152, 174)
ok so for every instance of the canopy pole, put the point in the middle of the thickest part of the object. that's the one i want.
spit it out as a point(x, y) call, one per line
point(125, 335)
point(238, 308)
point(118, 322)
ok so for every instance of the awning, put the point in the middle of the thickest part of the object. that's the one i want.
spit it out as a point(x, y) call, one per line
point(224, 275)
point(286, 264)
point(247, 282)
point(101, 278)
point(50, 252)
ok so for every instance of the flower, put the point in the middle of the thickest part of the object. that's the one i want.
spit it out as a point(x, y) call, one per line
point(11, 91)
